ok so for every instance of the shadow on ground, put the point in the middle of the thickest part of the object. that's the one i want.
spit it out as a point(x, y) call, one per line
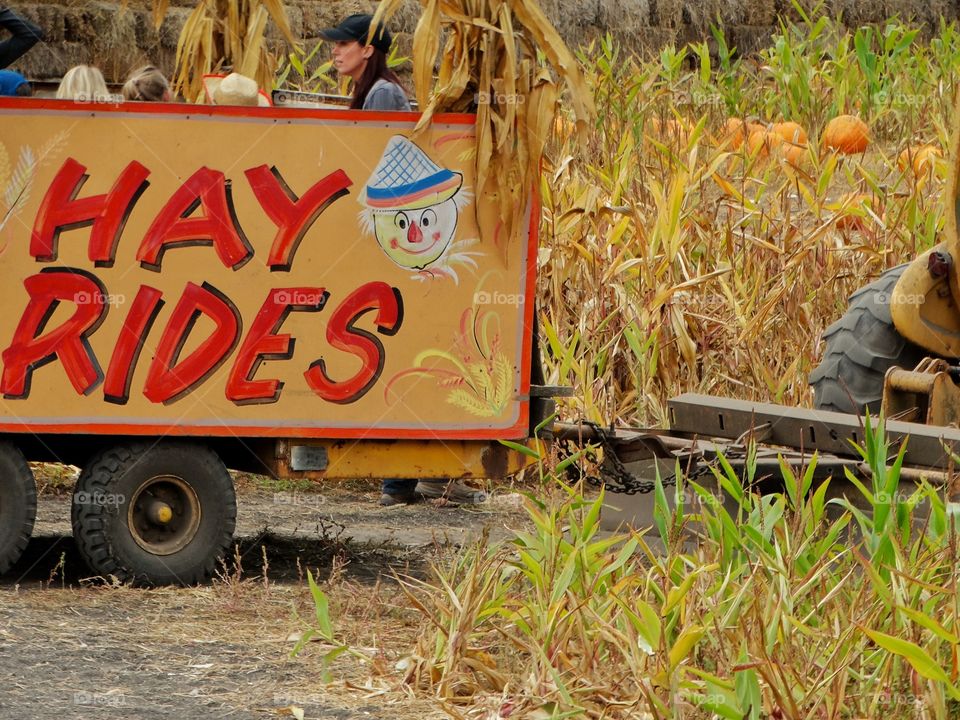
point(54, 561)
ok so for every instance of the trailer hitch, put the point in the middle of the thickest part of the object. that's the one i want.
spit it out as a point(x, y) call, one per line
point(927, 394)
point(621, 447)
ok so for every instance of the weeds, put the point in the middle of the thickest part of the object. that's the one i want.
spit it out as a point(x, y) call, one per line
point(766, 609)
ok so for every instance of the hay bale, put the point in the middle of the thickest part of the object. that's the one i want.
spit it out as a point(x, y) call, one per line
point(96, 33)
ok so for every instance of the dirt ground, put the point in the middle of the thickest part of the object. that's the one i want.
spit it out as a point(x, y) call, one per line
point(74, 647)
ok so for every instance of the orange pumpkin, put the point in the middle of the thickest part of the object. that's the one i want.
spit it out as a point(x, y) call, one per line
point(736, 131)
point(919, 158)
point(671, 132)
point(794, 155)
point(852, 211)
point(791, 132)
point(762, 142)
point(846, 134)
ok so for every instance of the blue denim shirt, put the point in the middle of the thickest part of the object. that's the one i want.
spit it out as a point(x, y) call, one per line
point(385, 95)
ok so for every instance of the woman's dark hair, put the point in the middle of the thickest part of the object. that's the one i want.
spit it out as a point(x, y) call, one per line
point(376, 68)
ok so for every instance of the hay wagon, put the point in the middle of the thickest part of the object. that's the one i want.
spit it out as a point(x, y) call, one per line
point(304, 293)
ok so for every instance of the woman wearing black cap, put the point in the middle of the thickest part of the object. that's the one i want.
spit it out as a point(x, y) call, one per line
point(375, 86)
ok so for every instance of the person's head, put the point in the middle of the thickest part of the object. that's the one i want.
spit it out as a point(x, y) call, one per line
point(353, 57)
point(83, 82)
point(147, 85)
point(13, 84)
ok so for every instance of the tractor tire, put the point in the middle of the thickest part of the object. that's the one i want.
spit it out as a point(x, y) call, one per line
point(18, 505)
point(861, 346)
point(154, 514)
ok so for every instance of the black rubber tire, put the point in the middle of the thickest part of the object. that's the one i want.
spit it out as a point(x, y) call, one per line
point(18, 505)
point(860, 347)
point(101, 506)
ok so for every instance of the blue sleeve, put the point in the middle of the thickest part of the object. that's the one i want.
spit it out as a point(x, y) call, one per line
point(386, 97)
point(24, 36)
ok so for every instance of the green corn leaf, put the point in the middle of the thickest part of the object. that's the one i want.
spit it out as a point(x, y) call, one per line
point(918, 658)
point(677, 593)
point(817, 504)
point(521, 448)
point(321, 604)
point(930, 624)
point(651, 623)
point(790, 482)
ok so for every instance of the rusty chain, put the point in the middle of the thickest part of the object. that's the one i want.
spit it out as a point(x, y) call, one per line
point(614, 475)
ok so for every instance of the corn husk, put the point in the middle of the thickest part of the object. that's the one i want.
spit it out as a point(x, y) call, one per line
point(221, 34)
point(491, 62)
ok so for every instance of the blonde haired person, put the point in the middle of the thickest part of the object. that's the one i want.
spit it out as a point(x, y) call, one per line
point(147, 84)
point(83, 83)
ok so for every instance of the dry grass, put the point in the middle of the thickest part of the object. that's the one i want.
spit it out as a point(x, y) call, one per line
point(763, 612)
point(193, 649)
point(223, 647)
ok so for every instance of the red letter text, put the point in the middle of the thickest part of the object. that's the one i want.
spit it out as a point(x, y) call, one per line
point(61, 210)
point(170, 378)
point(292, 215)
point(218, 226)
point(262, 343)
point(68, 342)
point(143, 311)
point(343, 334)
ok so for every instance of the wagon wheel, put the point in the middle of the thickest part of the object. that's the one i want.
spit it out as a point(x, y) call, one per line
point(154, 515)
point(18, 504)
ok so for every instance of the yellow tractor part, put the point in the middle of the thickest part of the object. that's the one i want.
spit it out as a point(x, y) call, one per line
point(923, 305)
point(927, 394)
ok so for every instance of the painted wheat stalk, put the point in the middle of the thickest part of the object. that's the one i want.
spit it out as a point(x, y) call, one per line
point(16, 182)
point(489, 62)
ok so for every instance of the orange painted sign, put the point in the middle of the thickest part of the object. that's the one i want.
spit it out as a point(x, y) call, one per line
point(255, 272)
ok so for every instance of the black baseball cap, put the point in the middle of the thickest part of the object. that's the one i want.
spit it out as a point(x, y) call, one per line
point(357, 27)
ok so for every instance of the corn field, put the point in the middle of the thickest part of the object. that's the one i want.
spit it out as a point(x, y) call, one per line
point(678, 257)
point(734, 605)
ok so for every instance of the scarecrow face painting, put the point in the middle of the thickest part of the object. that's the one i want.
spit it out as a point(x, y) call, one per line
point(416, 238)
point(412, 206)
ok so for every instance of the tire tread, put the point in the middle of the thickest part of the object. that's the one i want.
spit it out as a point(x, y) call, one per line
point(91, 524)
point(25, 486)
point(860, 347)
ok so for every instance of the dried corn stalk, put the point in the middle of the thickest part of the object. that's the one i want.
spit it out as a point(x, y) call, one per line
point(490, 62)
point(225, 33)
